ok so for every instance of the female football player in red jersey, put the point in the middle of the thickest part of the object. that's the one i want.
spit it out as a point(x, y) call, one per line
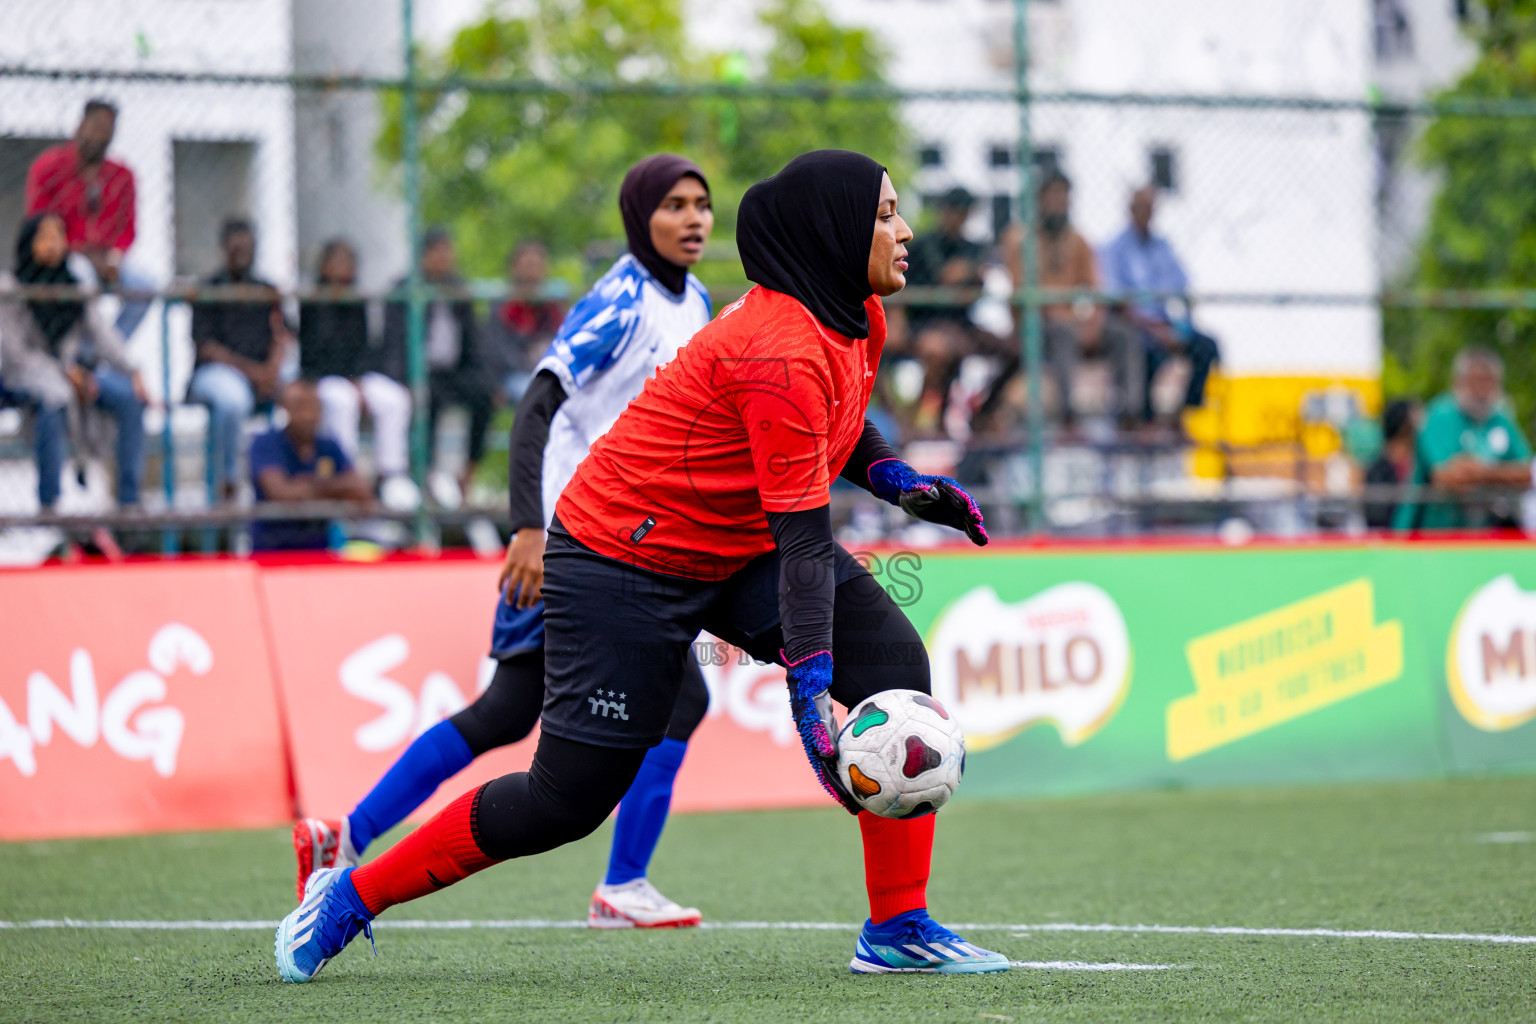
point(706, 507)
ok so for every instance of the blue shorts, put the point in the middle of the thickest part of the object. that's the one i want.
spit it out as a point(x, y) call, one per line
point(516, 632)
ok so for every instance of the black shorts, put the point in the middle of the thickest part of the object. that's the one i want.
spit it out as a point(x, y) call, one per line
point(616, 636)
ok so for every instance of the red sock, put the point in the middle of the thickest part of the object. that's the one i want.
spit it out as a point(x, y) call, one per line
point(897, 855)
point(436, 855)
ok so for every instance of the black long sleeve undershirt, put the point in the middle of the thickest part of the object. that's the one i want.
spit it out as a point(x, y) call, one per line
point(871, 448)
point(806, 582)
point(806, 547)
point(530, 433)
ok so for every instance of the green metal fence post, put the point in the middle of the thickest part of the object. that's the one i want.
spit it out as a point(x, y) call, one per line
point(415, 323)
point(170, 539)
point(1030, 327)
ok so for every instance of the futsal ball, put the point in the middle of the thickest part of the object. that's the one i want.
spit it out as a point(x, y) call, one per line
point(901, 754)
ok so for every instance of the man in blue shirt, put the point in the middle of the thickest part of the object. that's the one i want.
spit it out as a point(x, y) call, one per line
point(298, 463)
point(1137, 260)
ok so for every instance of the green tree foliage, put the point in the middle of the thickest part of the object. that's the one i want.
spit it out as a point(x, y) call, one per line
point(1482, 226)
point(499, 168)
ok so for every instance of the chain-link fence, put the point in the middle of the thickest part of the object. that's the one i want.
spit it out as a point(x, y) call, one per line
point(1189, 334)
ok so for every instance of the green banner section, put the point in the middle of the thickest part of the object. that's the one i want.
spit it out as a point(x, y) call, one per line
point(1082, 671)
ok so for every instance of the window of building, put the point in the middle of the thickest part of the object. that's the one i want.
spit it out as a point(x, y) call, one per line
point(1002, 215)
point(1047, 162)
point(1047, 158)
point(210, 182)
point(1163, 171)
point(16, 155)
point(1392, 32)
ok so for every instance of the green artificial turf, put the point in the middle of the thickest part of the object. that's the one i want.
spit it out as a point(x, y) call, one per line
point(1405, 857)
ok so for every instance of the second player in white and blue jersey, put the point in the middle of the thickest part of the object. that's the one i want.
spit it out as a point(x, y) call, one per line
point(633, 321)
point(611, 343)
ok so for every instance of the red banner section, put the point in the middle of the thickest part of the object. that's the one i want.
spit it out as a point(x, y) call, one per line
point(746, 753)
point(370, 657)
point(157, 697)
point(136, 699)
point(367, 658)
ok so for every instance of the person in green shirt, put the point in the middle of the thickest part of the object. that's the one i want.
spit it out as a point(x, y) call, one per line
point(1469, 443)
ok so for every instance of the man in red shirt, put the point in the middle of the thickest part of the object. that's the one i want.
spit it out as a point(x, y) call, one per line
point(95, 198)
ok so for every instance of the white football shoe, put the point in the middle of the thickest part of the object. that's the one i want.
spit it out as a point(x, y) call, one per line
point(637, 904)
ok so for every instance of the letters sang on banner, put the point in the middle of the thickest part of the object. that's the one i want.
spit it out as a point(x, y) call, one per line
point(129, 719)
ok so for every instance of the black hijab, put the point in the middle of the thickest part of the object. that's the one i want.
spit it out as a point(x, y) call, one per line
point(645, 186)
point(54, 317)
point(806, 232)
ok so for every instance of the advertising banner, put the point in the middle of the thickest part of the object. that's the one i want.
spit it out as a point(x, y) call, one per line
point(746, 753)
point(179, 696)
point(1079, 671)
point(136, 699)
point(370, 657)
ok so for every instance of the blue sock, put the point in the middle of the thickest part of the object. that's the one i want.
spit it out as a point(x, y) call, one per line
point(432, 759)
point(643, 812)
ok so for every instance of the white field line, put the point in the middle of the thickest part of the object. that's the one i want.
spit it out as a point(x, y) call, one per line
point(1081, 965)
point(1506, 837)
point(817, 926)
point(1325, 933)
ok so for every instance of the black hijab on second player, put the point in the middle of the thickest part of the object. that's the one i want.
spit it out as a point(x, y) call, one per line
point(806, 232)
point(644, 188)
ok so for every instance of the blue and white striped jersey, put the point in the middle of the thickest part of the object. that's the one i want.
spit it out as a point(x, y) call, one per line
point(611, 342)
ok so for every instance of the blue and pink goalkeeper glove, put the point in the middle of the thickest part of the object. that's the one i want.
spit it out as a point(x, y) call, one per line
point(937, 499)
point(809, 701)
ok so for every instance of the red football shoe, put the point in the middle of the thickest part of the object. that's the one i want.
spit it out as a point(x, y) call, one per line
point(320, 844)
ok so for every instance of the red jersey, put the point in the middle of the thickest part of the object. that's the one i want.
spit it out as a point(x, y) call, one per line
point(97, 213)
point(758, 413)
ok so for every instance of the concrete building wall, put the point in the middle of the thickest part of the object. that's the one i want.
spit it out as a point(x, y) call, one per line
point(1265, 201)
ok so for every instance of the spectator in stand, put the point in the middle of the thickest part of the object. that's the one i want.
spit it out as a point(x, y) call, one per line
point(1139, 261)
point(299, 463)
point(239, 346)
point(942, 335)
point(1469, 443)
point(455, 375)
point(1065, 260)
point(945, 258)
point(522, 327)
point(1394, 464)
point(62, 357)
point(334, 352)
point(95, 198)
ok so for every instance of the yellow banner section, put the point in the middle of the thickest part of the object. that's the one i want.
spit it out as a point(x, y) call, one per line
point(1260, 426)
point(1281, 665)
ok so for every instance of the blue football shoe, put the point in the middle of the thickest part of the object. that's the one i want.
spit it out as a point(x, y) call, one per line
point(914, 943)
point(330, 917)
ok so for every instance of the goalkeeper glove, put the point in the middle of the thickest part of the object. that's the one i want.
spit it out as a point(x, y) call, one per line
point(937, 499)
point(811, 705)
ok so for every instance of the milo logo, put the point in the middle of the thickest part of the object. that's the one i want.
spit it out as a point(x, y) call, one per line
point(1490, 664)
point(1062, 656)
